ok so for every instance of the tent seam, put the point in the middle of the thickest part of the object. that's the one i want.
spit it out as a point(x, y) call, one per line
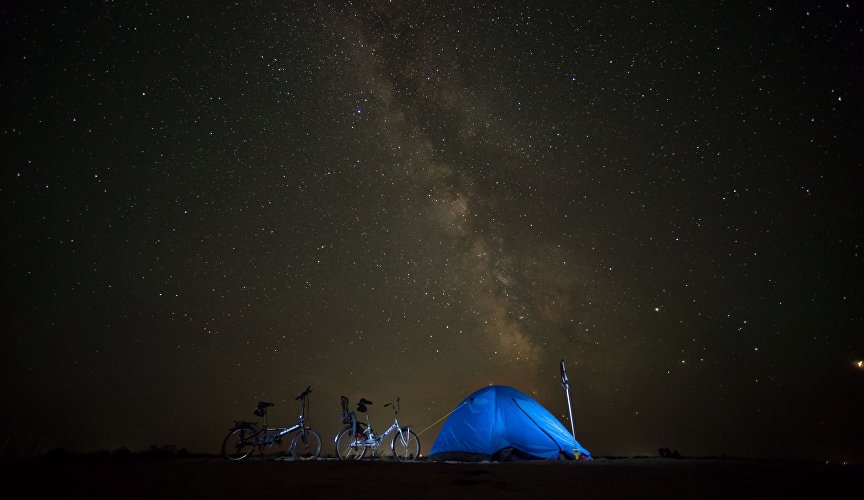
point(536, 424)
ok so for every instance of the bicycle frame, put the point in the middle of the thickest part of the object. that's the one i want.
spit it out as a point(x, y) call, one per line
point(373, 441)
point(358, 438)
point(278, 432)
point(271, 434)
point(246, 436)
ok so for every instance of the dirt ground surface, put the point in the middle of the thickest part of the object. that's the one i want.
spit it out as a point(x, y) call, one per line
point(624, 478)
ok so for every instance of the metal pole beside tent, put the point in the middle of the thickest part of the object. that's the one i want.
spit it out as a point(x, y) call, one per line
point(566, 384)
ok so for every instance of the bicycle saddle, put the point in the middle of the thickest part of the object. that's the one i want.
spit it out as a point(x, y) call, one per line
point(261, 409)
point(361, 405)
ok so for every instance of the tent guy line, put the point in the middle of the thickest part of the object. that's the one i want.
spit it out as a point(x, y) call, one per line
point(433, 424)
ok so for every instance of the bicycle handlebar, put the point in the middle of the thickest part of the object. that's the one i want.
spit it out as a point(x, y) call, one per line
point(304, 393)
point(395, 406)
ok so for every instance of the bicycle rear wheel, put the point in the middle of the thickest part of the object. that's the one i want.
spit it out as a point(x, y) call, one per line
point(347, 447)
point(306, 445)
point(240, 443)
point(405, 445)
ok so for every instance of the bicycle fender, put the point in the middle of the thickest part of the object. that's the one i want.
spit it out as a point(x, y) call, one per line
point(240, 424)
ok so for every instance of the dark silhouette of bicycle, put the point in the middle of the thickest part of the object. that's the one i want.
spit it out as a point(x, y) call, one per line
point(357, 438)
point(245, 438)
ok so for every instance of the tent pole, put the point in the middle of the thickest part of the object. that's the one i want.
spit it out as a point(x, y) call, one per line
point(566, 384)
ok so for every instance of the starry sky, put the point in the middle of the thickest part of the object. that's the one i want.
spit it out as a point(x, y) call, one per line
point(207, 204)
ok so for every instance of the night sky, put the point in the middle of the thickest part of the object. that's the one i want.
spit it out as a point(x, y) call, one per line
point(207, 204)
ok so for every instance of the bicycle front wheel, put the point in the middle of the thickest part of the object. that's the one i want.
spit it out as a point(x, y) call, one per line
point(306, 445)
point(405, 445)
point(240, 443)
point(347, 447)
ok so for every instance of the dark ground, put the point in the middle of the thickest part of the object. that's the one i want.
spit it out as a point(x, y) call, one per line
point(624, 478)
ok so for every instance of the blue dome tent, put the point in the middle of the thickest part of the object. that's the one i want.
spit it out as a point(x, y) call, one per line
point(500, 423)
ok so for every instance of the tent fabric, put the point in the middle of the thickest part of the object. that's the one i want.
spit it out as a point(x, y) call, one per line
point(499, 422)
